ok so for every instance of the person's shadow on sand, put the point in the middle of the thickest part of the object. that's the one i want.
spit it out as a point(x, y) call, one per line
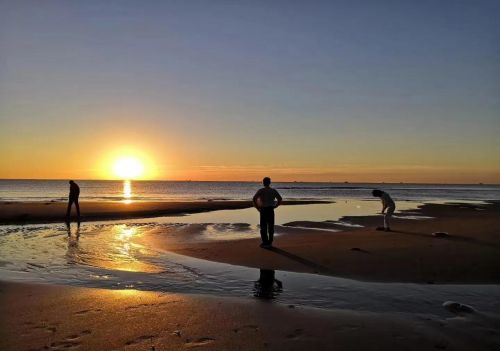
point(267, 287)
point(315, 266)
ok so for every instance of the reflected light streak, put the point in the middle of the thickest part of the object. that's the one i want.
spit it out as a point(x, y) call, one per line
point(124, 251)
point(124, 233)
point(127, 192)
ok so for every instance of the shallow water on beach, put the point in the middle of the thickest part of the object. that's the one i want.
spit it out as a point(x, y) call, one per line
point(312, 212)
point(117, 255)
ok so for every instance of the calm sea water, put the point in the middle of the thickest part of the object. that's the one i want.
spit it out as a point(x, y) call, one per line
point(94, 190)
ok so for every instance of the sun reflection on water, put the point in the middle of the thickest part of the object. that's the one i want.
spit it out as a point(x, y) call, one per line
point(126, 254)
point(127, 191)
point(124, 233)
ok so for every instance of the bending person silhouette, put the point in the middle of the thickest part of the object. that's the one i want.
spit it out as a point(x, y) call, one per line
point(264, 202)
point(74, 193)
point(388, 208)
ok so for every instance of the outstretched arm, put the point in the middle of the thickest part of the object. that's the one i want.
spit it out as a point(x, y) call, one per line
point(384, 203)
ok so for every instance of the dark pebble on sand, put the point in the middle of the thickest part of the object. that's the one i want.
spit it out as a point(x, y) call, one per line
point(455, 307)
point(440, 235)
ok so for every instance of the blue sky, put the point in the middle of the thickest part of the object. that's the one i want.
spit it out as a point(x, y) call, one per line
point(317, 90)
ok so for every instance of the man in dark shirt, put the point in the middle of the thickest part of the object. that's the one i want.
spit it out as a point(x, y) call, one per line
point(74, 193)
point(264, 201)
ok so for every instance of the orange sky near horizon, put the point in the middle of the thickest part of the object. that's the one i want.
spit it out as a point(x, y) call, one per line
point(50, 163)
point(183, 153)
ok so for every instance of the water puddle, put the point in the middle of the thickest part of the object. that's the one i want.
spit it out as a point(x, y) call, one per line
point(312, 212)
point(118, 256)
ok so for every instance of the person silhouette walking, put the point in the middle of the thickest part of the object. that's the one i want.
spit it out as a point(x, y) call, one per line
point(74, 193)
point(264, 202)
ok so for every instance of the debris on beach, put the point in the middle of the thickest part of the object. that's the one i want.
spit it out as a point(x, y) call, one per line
point(457, 308)
point(358, 249)
point(441, 235)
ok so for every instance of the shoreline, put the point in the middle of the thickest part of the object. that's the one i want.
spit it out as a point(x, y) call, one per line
point(53, 212)
point(410, 253)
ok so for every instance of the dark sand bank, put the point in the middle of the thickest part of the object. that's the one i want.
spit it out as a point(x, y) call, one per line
point(49, 212)
point(410, 253)
point(42, 317)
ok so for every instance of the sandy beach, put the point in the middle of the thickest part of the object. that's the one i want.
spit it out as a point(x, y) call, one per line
point(40, 317)
point(55, 317)
point(410, 253)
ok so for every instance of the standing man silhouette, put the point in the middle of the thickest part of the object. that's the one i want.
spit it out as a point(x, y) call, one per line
point(264, 202)
point(74, 193)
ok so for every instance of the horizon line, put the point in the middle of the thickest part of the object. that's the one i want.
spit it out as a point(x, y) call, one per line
point(244, 181)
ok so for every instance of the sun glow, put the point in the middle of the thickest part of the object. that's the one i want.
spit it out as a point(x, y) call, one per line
point(127, 163)
point(128, 168)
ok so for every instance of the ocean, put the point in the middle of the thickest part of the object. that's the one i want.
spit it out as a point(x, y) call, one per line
point(99, 190)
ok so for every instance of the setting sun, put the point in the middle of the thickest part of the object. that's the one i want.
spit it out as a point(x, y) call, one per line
point(127, 162)
point(128, 168)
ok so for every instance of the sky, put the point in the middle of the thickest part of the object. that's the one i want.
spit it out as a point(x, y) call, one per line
point(359, 91)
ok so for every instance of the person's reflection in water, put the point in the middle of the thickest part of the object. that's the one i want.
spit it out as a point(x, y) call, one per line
point(73, 249)
point(267, 287)
point(68, 228)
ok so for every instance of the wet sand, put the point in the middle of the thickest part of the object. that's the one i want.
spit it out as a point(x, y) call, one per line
point(410, 253)
point(49, 212)
point(42, 317)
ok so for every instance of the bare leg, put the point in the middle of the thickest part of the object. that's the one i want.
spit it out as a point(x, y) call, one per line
point(68, 211)
point(263, 226)
point(77, 209)
point(271, 226)
point(387, 217)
